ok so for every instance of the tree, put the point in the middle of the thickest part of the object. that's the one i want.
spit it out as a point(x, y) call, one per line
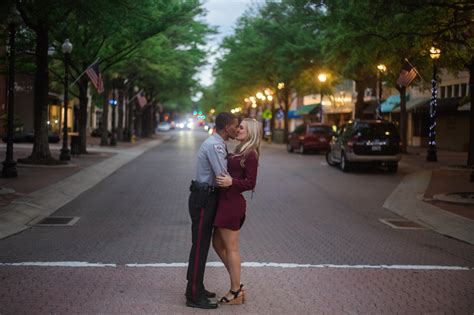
point(41, 17)
point(117, 33)
point(274, 45)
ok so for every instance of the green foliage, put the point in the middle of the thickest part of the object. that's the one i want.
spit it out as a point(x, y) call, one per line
point(276, 44)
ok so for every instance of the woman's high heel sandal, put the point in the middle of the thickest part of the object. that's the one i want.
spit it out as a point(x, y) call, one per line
point(236, 297)
point(243, 292)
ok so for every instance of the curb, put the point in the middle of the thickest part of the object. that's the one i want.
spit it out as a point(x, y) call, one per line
point(42, 203)
point(405, 201)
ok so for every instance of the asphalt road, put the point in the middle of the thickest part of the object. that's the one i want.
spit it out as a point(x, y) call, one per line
point(302, 212)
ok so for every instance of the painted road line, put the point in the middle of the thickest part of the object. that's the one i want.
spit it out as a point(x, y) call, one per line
point(77, 264)
point(74, 264)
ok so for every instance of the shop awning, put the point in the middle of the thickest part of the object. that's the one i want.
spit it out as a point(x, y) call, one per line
point(391, 102)
point(293, 115)
point(306, 109)
point(414, 103)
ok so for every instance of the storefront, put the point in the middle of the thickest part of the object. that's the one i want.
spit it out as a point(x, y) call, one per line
point(56, 114)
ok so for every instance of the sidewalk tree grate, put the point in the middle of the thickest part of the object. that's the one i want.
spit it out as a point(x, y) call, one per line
point(58, 221)
point(402, 224)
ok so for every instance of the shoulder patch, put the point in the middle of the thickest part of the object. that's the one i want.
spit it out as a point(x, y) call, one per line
point(219, 148)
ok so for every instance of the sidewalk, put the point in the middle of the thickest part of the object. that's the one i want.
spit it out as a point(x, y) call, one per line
point(415, 197)
point(39, 190)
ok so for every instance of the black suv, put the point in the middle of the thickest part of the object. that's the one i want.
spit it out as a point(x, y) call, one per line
point(365, 141)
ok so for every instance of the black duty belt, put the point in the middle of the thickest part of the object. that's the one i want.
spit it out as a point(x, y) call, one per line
point(202, 187)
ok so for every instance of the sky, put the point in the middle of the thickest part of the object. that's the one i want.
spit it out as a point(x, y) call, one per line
point(224, 15)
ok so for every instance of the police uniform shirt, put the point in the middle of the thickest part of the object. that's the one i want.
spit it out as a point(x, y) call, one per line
point(211, 160)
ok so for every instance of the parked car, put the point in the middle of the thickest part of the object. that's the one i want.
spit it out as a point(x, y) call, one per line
point(29, 137)
point(163, 126)
point(310, 137)
point(365, 141)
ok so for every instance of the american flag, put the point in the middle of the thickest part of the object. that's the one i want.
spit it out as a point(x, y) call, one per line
point(407, 75)
point(96, 78)
point(142, 101)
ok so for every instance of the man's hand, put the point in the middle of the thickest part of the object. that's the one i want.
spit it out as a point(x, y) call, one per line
point(224, 180)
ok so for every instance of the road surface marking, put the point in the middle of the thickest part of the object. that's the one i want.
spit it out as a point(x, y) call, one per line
point(244, 264)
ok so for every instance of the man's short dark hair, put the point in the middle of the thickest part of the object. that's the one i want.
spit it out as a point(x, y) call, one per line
point(224, 119)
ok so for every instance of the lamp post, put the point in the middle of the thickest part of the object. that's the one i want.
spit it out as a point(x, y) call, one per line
point(432, 156)
point(382, 68)
point(67, 49)
point(9, 165)
point(113, 139)
point(322, 78)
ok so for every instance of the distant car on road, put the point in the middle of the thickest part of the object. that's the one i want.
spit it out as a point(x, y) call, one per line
point(310, 137)
point(375, 142)
point(163, 126)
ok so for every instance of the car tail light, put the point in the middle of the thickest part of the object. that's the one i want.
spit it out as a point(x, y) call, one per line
point(350, 143)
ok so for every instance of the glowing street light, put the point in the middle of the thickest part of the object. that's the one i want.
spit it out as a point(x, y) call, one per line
point(322, 78)
point(382, 69)
point(432, 155)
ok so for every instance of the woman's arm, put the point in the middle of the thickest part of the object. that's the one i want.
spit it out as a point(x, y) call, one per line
point(250, 179)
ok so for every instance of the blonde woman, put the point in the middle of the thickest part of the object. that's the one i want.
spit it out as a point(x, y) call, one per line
point(242, 167)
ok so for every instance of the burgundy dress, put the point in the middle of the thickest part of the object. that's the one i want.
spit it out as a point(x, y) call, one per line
point(231, 208)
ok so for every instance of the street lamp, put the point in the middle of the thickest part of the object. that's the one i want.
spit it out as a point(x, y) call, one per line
point(113, 139)
point(67, 49)
point(432, 156)
point(322, 78)
point(382, 69)
point(9, 165)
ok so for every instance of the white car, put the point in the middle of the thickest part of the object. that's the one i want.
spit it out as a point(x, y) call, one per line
point(164, 126)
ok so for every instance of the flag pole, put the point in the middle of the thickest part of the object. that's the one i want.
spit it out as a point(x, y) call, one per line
point(83, 73)
point(135, 96)
point(416, 71)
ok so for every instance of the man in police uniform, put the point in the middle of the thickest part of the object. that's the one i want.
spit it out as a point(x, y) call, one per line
point(211, 161)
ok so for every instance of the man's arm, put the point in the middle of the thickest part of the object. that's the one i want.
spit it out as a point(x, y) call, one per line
point(217, 156)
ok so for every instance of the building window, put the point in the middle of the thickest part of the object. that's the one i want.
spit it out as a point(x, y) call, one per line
point(464, 89)
point(456, 90)
point(443, 92)
point(449, 93)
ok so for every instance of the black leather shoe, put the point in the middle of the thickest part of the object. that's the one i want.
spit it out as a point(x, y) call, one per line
point(205, 304)
point(209, 294)
point(206, 294)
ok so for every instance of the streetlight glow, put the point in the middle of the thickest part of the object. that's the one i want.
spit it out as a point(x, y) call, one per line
point(435, 53)
point(259, 95)
point(270, 98)
point(382, 68)
point(322, 77)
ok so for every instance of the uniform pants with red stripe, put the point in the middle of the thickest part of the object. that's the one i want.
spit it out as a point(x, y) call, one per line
point(202, 209)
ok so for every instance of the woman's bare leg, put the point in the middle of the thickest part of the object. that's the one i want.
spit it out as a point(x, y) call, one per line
point(231, 243)
point(219, 247)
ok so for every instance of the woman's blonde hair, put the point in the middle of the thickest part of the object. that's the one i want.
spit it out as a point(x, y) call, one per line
point(253, 140)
